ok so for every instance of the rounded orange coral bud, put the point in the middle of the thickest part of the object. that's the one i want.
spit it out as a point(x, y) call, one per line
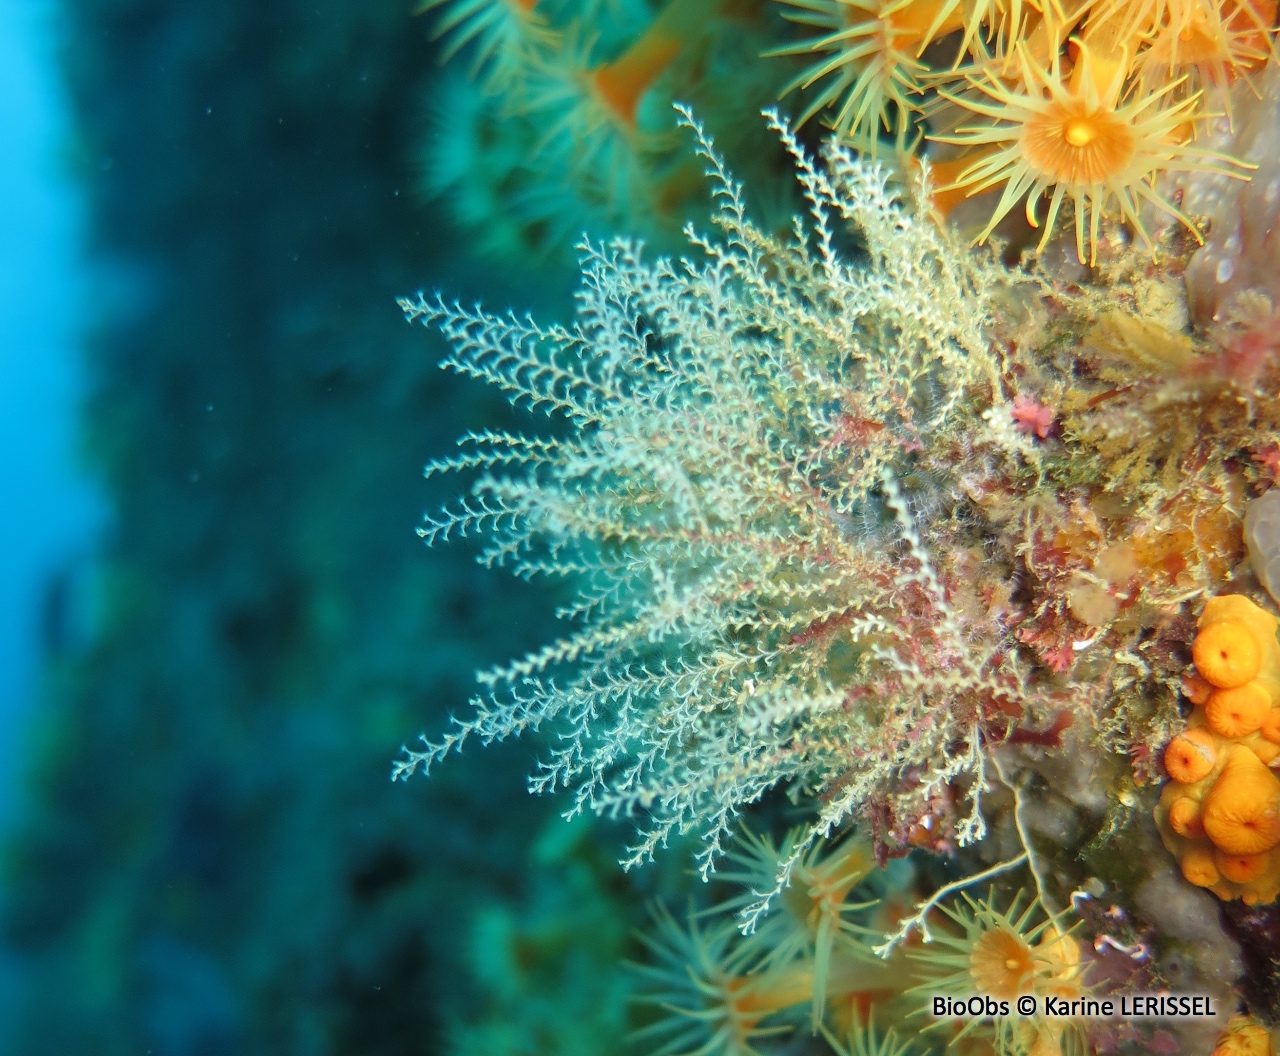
point(1190, 756)
point(1237, 712)
point(1195, 688)
point(1197, 866)
point(1244, 1036)
point(1184, 818)
point(1271, 726)
point(1242, 810)
point(1265, 750)
point(1227, 654)
point(1241, 868)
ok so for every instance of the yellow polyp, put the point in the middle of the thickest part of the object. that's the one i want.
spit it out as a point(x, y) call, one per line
point(1240, 868)
point(1239, 609)
point(1227, 654)
point(1036, 114)
point(755, 996)
point(1251, 19)
point(943, 174)
point(1104, 59)
point(1270, 728)
point(1238, 712)
point(1002, 963)
point(623, 82)
point(1042, 41)
point(1190, 756)
point(1242, 810)
point(1184, 818)
point(1198, 867)
point(1060, 950)
point(920, 22)
point(1030, 210)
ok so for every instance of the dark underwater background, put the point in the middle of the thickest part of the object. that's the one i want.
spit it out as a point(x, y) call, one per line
point(207, 855)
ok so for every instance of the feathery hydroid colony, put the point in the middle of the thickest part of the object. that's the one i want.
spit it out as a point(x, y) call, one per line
point(759, 605)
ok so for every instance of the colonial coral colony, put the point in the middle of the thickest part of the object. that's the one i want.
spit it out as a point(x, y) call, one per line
point(1045, 103)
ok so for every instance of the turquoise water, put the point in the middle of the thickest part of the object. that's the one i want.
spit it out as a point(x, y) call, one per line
point(219, 623)
point(54, 514)
point(214, 208)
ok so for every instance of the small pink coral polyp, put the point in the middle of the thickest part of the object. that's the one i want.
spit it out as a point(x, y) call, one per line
point(1219, 815)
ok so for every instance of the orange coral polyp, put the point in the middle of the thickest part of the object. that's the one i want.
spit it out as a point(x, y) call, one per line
point(1072, 143)
point(1241, 868)
point(1184, 819)
point(1190, 756)
point(1198, 867)
point(1242, 810)
point(1002, 963)
point(1270, 727)
point(1079, 141)
point(1227, 654)
point(1238, 712)
point(1266, 751)
point(1244, 1036)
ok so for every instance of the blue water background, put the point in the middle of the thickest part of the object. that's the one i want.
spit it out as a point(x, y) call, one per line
point(52, 511)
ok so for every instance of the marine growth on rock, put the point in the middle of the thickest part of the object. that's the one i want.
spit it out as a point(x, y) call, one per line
point(912, 537)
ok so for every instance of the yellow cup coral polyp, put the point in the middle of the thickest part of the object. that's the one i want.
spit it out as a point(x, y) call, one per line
point(1244, 1036)
point(1075, 136)
point(1242, 810)
point(1238, 712)
point(1227, 654)
point(1220, 813)
point(1184, 818)
point(1002, 963)
point(1190, 756)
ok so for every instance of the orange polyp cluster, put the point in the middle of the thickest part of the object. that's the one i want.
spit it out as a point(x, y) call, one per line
point(1220, 813)
point(1051, 104)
